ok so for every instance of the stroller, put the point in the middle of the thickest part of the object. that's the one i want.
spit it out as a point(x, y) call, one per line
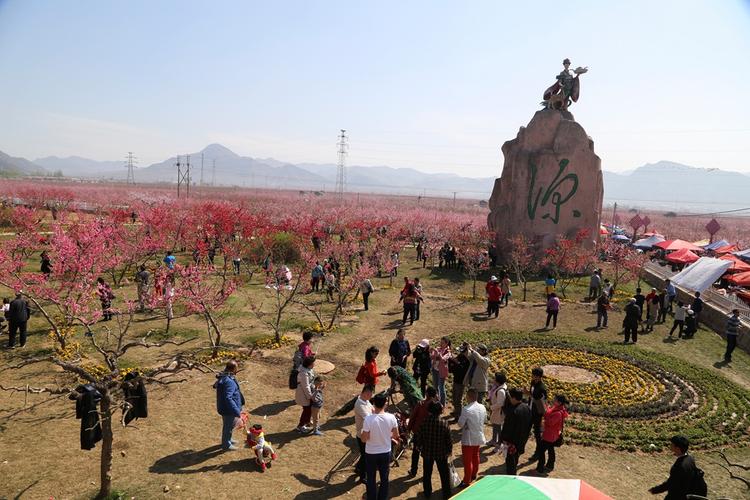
point(401, 411)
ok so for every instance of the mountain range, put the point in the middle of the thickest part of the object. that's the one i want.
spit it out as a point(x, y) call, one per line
point(652, 184)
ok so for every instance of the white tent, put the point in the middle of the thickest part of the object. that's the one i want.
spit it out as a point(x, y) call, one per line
point(648, 242)
point(701, 274)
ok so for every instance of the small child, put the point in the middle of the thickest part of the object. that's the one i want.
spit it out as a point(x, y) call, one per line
point(316, 403)
point(264, 453)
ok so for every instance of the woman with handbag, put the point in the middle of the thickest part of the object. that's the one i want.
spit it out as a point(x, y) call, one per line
point(552, 437)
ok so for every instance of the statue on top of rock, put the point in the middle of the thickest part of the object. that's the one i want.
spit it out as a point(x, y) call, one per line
point(566, 89)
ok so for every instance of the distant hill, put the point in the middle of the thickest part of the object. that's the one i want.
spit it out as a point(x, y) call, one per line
point(11, 166)
point(75, 166)
point(667, 181)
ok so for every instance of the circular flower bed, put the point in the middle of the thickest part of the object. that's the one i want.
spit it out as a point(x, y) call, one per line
point(634, 399)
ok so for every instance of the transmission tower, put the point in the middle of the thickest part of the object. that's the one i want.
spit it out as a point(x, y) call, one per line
point(130, 166)
point(183, 176)
point(341, 170)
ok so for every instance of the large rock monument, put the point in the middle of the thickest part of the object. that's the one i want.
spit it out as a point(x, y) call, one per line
point(551, 183)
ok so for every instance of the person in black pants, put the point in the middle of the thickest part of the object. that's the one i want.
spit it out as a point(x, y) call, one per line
point(630, 323)
point(422, 363)
point(434, 439)
point(684, 477)
point(538, 395)
point(18, 316)
point(516, 429)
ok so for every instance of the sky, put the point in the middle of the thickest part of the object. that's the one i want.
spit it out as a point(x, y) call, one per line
point(434, 85)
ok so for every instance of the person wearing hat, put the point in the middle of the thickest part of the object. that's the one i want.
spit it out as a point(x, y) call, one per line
point(494, 295)
point(422, 363)
point(476, 376)
point(487, 286)
point(630, 323)
point(554, 419)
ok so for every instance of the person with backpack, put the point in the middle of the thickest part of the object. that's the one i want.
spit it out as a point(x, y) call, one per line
point(304, 350)
point(498, 396)
point(554, 421)
point(685, 478)
point(368, 373)
point(304, 393)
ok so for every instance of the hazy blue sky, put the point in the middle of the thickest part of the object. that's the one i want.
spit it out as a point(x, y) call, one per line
point(430, 84)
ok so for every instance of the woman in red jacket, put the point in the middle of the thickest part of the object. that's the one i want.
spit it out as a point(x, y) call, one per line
point(370, 372)
point(554, 418)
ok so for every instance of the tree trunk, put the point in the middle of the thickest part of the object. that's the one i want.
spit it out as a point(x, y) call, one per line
point(524, 290)
point(105, 488)
point(474, 288)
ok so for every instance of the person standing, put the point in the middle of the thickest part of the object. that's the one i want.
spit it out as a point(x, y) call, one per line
point(304, 392)
point(400, 349)
point(378, 431)
point(697, 307)
point(630, 322)
point(362, 408)
point(498, 395)
point(434, 439)
point(663, 306)
point(685, 478)
point(691, 326)
point(602, 310)
point(595, 284)
point(316, 275)
point(640, 301)
point(679, 320)
point(732, 332)
point(330, 284)
point(420, 298)
point(418, 414)
point(476, 376)
point(105, 298)
point(410, 299)
point(553, 308)
point(369, 370)
point(316, 404)
point(538, 405)
point(366, 288)
point(671, 293)
point(516, 430)
point(46, 264)
point(439, 359)
point(237, 264)
point(652, 309)
point(458, 366)
point(229, 403)
point(554, 420)
point(471, 424)
point(505, 289)
point(18, 317)
point(142, 281)
point(422, 365)
point(494, 296)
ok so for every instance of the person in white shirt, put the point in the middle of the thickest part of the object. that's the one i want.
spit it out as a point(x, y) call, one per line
point(362, 408)
point(377, 431)
point(498, 393)
point(471, 423)
point(366, 288)
point(679, 319)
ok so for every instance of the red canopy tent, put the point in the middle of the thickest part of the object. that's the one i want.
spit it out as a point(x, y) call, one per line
point(682, 256)
point(741, 279)
point(678, 245)
point(738, 265)
point(727, 249)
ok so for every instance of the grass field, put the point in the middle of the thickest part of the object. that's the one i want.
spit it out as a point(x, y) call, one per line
point(175, 453)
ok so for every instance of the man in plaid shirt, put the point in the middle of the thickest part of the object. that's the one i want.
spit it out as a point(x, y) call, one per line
point(434, 440)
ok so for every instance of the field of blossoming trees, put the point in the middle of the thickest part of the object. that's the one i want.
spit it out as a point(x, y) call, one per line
point(240, 288)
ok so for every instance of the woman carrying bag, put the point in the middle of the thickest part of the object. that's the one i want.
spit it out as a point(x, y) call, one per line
point(552, 435)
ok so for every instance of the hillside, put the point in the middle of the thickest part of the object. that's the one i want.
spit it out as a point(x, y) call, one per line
point(11, 166)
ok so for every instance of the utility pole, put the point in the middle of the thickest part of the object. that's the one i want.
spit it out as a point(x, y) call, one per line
point(454, 199)
point(179, 176)
point(341, 170)
point(189, 180)
point(131, 165)
point(201, 182)
point(213, 172)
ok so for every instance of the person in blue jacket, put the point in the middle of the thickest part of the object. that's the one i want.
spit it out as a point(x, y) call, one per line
point(229, 402)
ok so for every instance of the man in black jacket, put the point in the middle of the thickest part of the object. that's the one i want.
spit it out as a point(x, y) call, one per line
point(18, 316)
point(458, 366)
point(516, 430)
point(684, 477)
point(630, 323)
